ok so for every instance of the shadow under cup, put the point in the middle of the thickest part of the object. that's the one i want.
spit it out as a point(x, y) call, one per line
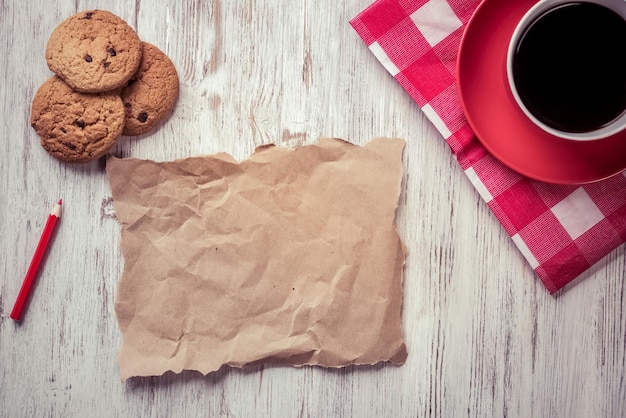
point(567, 67)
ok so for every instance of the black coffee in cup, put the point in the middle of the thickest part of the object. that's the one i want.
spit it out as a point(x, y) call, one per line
point(569, 67)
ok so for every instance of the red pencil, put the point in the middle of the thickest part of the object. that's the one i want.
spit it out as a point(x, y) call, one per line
point(34, 264)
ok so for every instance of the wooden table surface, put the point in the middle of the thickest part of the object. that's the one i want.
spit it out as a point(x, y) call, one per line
point(484, 337)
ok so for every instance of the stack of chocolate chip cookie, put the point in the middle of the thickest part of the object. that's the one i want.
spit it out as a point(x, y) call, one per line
point(107, 83)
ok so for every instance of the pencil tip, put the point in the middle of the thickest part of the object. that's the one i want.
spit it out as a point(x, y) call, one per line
point(60, 202)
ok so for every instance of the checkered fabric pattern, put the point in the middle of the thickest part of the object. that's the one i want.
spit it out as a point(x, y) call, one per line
point(560, 230)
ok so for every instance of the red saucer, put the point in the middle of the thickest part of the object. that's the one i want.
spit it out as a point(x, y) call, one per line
point(500, 124)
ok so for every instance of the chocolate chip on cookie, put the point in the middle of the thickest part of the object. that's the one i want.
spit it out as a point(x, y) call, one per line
point(76, 127)
point(151, 93)
point(94, 51)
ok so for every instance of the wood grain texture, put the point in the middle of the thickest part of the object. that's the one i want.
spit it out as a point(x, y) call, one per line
point(484, 337)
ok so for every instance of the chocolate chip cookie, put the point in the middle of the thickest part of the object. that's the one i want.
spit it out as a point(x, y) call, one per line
point(76, 127)
point(94, 51)
point(151, 93)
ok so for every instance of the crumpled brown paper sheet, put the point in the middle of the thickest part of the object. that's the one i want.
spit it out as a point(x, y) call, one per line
point(290, 257)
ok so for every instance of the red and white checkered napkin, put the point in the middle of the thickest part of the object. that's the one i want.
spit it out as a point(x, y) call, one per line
point(560, 230)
